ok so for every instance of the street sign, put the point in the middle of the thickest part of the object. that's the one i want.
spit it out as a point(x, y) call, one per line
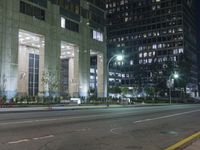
point(170, 83)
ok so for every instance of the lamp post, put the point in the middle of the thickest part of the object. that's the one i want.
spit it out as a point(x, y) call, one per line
point(119, 57)
point(171, 83)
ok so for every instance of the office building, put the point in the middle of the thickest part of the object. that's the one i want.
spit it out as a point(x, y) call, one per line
point(158, 37)
point(46, 45)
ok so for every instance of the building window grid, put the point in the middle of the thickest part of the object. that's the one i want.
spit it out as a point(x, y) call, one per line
point(169, 37)
point(32, 10)
point(33, 74)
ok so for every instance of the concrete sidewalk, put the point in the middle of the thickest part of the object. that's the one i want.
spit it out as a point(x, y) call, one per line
point(194, 145)
point(189, 143)
point(74, 107)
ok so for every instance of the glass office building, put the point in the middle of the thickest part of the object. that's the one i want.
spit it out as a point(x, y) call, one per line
point(158, 37)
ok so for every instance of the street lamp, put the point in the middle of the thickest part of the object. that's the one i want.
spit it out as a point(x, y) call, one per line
point(118, 57)
point(170, 84)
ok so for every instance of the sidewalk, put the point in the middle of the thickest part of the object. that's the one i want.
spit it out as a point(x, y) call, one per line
point(189, 143)
point(72, 107)
point(194, 146)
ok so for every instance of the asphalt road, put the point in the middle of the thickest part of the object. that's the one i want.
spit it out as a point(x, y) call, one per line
point(133, 128)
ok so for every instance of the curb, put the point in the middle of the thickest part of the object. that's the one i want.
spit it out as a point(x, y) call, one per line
point(184, 142)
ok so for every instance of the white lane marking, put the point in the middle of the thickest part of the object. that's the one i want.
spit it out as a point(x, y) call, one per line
point(114, 130)
point(43, 137)
point(28, 140)
point(167, 116)
point(17, 122)
point(19, 141)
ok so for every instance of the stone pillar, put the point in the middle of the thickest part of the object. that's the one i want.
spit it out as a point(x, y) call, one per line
point(8, 48)
point(101, 74)
point(74, 73)
point(52, 61)
point(84, 72)
point(23, 64)
point(71, 79)
point(41, 66)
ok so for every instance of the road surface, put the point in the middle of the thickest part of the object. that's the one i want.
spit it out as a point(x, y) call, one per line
point(132, 128)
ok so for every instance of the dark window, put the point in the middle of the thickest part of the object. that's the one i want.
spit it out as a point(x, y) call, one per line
point(33, 74)
point(33, 11)
point(71, 25)
point(64, 76)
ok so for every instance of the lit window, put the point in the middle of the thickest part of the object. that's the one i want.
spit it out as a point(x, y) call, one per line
point(153, 7)
point(126, 19)
point(175, 59)
point(154, 34)
point(122, 2)
point(111, 79)
point(131, 62)
point(181, 50)
point(62, 22)
point(92, 77)
point(180, 29)
point(97, 36)
point(145, 61)
point(145, 54)
point(150, 54)
point(140, 48)
point(154, 46)
point(92, 71)
point(150, 60)
point(175, 51)
point(164, 58)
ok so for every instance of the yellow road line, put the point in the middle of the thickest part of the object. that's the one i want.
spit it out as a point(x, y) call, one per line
point(184, 141)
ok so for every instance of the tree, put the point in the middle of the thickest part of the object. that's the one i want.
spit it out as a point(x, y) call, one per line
point(124, 91)
point(50, 82)
point(3, 86)
point(185, 65)
point(115, 90)
point(150, 91)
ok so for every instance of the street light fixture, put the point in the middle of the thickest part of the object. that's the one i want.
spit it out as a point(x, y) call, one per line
point(171, 84)
point(176, 75)
point(118, 57)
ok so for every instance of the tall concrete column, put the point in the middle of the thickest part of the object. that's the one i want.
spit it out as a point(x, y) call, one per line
point(101, 74)
point(84, 72)
point(23, 62)
point(52, 62)
point(41, 66)
point(8, 48)
point(74, 73)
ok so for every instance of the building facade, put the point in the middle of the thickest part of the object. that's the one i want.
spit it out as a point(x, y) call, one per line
point(158, 37)
point(46, 45)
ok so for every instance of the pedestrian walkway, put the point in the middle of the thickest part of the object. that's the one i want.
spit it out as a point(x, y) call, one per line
point(189, 143)
point(194, 146)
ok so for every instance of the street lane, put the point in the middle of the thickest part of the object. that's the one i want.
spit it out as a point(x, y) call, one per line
point(146, 128)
